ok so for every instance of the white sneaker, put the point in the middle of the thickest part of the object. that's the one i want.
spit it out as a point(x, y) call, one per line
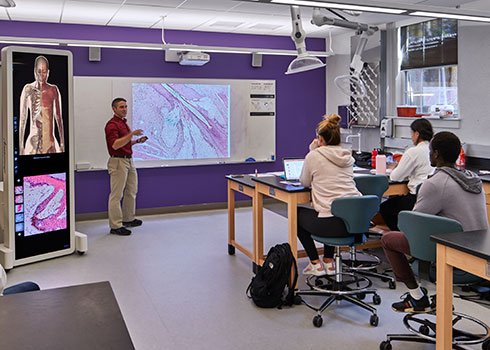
point(314, 269)
point(329, 267)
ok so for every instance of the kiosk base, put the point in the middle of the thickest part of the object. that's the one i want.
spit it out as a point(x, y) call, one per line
point(81, 243)
point(6, 257)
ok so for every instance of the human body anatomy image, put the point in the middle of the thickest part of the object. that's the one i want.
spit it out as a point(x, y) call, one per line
point(41, 102)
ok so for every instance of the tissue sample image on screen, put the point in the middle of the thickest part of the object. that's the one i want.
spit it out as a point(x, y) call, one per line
point(44, 203)
point(19, 217)
point(182, 121)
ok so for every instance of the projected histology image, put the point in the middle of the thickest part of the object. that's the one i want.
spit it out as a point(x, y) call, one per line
point(44, 203)
point(182, 121)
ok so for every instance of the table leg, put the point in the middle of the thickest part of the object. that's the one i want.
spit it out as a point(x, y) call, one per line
point(258, 217)
point(444, 304)
point(231, 219)
point(293, 226)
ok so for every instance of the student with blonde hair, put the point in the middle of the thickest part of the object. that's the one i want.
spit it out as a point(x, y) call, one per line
point(328, 169)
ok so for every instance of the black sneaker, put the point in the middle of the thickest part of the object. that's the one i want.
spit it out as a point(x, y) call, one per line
point(409, 304)
point(134, 223)
point(121, 231)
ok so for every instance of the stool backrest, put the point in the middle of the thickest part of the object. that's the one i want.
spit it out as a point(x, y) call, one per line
point(356, 212)
point(418, 227)
point(372, 184)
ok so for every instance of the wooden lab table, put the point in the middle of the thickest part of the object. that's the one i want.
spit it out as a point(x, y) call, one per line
point(270, 186)
point(241, 184)
point(468, 251)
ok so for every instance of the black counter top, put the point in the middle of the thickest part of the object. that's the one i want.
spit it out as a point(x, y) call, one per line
point(472, 242)
point(245, 180)
point(278, 182)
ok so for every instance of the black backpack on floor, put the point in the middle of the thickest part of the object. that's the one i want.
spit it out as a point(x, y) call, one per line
point(267, 287)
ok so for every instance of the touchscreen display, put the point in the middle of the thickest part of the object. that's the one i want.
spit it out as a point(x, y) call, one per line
point(41, 158)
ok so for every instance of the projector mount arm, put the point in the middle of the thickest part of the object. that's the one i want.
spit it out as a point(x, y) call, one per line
point(365, 30)
point(298, 33)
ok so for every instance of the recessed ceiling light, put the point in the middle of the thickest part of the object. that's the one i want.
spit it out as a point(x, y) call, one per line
point(265, 26)
point(448, 15)
point(226, 24)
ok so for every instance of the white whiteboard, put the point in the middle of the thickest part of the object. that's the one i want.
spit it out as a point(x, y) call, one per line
point(250, 136)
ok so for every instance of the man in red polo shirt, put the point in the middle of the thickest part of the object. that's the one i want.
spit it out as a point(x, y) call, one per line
point(121, 169)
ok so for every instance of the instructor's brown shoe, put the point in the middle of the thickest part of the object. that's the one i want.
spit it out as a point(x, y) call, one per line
point(134, 223)
point(121, 231)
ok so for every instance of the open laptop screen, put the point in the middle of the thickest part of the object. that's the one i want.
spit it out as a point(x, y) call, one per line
point(292, 168)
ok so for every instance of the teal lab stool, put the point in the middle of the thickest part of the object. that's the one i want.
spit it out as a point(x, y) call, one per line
point(418, 227)
point(356, 212)
point(369, 185)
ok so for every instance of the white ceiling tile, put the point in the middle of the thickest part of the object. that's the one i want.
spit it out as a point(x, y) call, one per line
point(139, 16)
point(157, 3)
point(273, 9)
point(480, 5)
point(3, 14)
point(88, 13)
point(190, 19)
point(445, 3)
point(119, 2)
point(31, 10)
point(218, 5)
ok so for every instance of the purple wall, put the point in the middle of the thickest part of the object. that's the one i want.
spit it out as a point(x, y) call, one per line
point(300, 104)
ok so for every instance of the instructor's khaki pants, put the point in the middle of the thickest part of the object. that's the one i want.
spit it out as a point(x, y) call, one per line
point(124, 180)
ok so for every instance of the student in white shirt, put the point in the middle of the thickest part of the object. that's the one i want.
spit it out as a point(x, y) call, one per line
point(328, 169)
point(414, 166)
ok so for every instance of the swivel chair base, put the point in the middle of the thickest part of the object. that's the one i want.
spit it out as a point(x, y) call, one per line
point(342, 286)
point(367, 267)
point(340, 291)
point(426, 332)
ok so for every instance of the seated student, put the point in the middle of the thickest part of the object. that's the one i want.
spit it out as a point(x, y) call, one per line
point(328, 169)
point(451, 193)
point(18, 288)
point(414, 166)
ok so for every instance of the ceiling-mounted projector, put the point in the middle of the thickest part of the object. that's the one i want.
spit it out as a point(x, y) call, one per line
point(193, 58)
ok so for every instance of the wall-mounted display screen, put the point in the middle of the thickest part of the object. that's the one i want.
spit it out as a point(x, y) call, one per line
point(182, 121)
point(41, 160)
point(428, 44)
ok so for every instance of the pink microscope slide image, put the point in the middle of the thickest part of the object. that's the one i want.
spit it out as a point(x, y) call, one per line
point(182, 121)
point(19, 199)
point(44, 203)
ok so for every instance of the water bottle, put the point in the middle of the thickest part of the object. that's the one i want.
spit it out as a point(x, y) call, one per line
point(461, 161)
point(380, 164)
point(374, 153)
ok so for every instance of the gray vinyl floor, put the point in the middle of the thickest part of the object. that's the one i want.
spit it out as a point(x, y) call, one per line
point(178, 288)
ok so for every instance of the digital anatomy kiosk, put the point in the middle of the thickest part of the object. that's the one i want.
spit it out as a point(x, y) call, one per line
point(38, 220)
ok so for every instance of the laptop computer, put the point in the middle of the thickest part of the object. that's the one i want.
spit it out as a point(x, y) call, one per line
point(293, 168)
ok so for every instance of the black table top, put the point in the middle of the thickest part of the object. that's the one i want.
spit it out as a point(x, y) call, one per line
point(78, 317)
point(242, 179)
point(472, 242)
point(277, 182)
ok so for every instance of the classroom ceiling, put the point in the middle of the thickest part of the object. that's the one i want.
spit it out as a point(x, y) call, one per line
point(204, 15)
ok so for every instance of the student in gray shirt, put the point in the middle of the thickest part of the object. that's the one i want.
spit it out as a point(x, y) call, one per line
point(449, 192)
